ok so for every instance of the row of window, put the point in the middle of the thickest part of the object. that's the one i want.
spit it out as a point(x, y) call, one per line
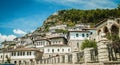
point(83, 35)
point(38, 43)
point(4, 56)
point(22, 53)
point(57, 50)
point(56, 42)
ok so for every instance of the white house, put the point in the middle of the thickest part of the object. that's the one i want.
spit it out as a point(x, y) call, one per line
point(24, 41)
point(4, 55)
point(25, 55)
point(41, 43)
point(56, 50)
point(75, 39)
point(58, 46)
point(58, 41)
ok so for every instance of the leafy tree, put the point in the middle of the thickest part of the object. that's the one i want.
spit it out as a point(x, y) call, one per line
point(118, 6)
point(70, 24)
point(8, 59)
point(112, 37)
point(89, 44)
point(76, 16)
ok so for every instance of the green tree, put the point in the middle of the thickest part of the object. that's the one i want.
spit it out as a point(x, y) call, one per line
point(118, 6)
point(88, 44)
point(8, 59)
point(70, 24)
point(112, 37)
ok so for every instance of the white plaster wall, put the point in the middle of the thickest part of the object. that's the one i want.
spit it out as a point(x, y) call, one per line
point(25, 56)
point(42, 43)
point(73, 35)
point(57, 41)
point(56, 49)
point(6, 53)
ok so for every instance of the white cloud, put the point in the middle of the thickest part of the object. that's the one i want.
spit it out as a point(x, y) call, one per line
point(6, 37)
point(85, 4)
point(18, 31)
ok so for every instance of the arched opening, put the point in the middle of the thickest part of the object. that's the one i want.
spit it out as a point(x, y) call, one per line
point(15, 62)
point(114, 29)
point(99, 32)
point(105, 30)
point(114, 48)
point(19, 62)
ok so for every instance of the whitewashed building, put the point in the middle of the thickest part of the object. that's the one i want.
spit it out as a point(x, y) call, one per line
point(76, 37)
point(25, 55)
point(56, 50)
point(4, 55)
point(58, 41)
point(23, 41)
point(41, 43)
point(58, 46)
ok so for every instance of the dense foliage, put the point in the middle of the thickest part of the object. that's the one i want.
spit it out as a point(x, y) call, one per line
point(89, 44)
point(83, 16)
point(87, 16)
point(76, 16)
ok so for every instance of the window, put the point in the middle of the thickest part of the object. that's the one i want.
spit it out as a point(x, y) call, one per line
point(87, 35)
point(49, 55)
point(18, 53)
point(62, 50)
point(91, 33)
point(48, 50)
point(12, 53)
point(6, 56)
point(58, 50)
point(27, 53)
point(23, 53)
point(77, 35)
point(1, 56)
point(52, 50)
point(15, 62)
point(68, 49)
point(59, 41)
point(30, 52)
point(83, 35)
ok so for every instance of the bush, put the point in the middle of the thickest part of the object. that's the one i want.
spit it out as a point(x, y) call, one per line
point(89, 44)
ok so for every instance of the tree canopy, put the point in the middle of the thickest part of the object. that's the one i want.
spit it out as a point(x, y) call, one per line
point(89, 44)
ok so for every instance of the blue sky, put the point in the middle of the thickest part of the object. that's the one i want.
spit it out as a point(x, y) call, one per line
point(18, 17)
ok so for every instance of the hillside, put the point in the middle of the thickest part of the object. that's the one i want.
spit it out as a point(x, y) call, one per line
point(76, 16)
